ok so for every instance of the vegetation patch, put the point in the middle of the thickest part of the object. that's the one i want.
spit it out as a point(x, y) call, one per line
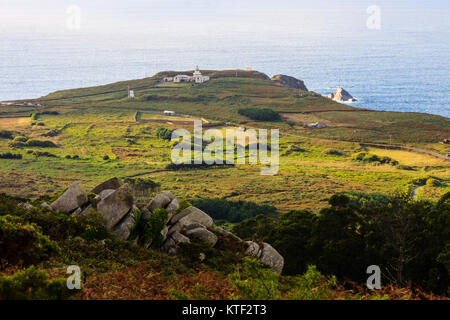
point(232, 211)
point(374, 159)
point(260, 114)
point(9, 155)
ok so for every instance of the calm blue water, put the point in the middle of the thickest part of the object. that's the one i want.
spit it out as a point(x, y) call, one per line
point(402, 67)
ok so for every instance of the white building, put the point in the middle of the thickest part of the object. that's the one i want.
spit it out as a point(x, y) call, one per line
point(196, 77)
point(169, 113)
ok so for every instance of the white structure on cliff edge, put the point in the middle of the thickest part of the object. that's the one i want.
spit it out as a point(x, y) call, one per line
point(196, 77)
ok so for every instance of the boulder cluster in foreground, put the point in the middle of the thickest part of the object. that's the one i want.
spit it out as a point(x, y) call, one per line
point(115, 201)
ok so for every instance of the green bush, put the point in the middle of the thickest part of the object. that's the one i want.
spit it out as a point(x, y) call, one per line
point(260, 114)
point(41, 143)
point(405, 167)
point(13, 144)
point(20, 139)
point(333, 152)
point(52, 133)
point(255, 281)
point(232, 211)
point(5, 134)
point(373, 158)
point(164, 133)
point(89, 226)
point(433, 182)
point(183, 205)
point(312, 285)
point(44, 154)
point(154, 226)
point(33, 284)
point(23, 243)
point(9, 155)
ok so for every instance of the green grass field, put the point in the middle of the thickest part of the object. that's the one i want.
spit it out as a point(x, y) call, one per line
point(96, 122)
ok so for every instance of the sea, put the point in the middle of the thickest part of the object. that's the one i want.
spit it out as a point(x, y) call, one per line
point(404, 65)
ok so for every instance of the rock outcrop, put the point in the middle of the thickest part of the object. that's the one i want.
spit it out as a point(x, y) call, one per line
point(116, 205)
point(342, 95)
point(115, 202)
point(73, 198)
point(290, 82)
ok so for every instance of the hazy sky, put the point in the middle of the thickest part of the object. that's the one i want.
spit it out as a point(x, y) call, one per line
point(214, 16)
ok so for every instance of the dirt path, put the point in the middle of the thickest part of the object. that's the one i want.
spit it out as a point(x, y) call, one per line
point(414, 194)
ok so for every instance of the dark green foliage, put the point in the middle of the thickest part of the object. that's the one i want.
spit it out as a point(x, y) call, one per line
point(154, 226)
point(20, 142)
point(334, 152)
point(363, 200)
point(373, 158)
point(51, 113)
point(44, 154)
point(41, 143)
point(224, 257)
point(189, 166)
point(407, 239)
point(183, 205)
point(339, 200)
point(260, 114)
point(5, 134)
point(232, 211)
point(142, 183)
point(20, 139)
point(164, 133)
point(23, 243)
point(9, 155)
point(52, 133)
point(255, 228)
point(33, 284)
point(293, 233)
point(89, 226)
point(14, 144)
point(106, 158)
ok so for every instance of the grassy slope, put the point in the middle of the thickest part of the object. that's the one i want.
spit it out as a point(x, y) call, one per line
point(97, 125)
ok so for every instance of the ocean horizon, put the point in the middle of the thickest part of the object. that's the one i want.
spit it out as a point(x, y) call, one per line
point(403, 66)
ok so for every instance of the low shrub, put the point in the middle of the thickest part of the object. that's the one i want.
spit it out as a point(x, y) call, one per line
point(405, 167)
point(52, 133)
point(33, 284)
point(189, 166)
point(260, 114)
point(9, 155)
point(89, 226)
point(333, 152)
point(41, 143)
point(14, 144)
point(183, 205)
point(255, 281)
point(373, 158)
point(164, 133)
point(23, 243)
point(44, 154)
point(232, 211)
point(20, 139)
point(433, 182)
point(5, 134)
point(154, 226)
